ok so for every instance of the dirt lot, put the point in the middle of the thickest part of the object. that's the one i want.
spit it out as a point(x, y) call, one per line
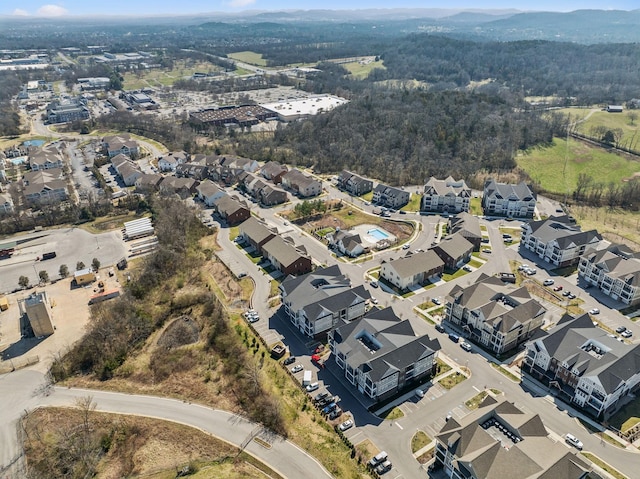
point(70, 311)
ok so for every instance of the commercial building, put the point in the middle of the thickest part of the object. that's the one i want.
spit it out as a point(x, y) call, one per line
point(38, 310)
point(615, 271)
point(445, 196)
point(246, 115)
point(84, 276)
point(294, 110)
point(498, 440)
point(94, 83)
point(558, 240)
point(495, 315)
point(511, 201)
point(585, 366)
point(381, 355)
point(65, 111)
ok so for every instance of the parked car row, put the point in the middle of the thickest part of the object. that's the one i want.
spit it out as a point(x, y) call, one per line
point(251, 315)
point(380, 463)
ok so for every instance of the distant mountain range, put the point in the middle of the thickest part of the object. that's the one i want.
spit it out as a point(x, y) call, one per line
point(581, 26)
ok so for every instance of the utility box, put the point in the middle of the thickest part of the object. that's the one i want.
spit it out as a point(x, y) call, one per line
point(4, 303)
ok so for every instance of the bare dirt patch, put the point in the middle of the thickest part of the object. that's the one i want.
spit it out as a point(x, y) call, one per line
point(180, 332)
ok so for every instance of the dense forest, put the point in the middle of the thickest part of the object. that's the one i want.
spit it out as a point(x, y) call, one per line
point(405, 136)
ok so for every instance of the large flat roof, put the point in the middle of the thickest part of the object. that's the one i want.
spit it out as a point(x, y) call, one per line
point(305, 106)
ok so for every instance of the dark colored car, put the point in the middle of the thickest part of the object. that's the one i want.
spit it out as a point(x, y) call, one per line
point(439, 328)
point(289, 360)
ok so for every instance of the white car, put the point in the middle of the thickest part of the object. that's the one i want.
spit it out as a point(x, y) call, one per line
point(574, 441)
point(594, 311)
point(297, 368)
point(346, 425)
point(548, 282)
point(466, 346)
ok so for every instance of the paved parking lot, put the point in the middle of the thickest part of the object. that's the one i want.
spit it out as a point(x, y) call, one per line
point(70, 245)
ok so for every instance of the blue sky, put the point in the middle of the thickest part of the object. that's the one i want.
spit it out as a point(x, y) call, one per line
point(156, 7)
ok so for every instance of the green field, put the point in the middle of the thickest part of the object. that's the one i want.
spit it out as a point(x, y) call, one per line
point(159, 77)
point(546, 165)
point(414, 203)
point(599, 120)
point(252, 58)
point(359, 70)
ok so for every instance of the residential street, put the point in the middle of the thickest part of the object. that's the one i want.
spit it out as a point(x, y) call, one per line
point(22, 390)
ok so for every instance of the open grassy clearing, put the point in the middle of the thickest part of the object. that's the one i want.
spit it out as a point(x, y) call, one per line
point(367, 196)
point(414, 203)
point(252, 58)
point(598, 120)
point(615, 225)
point(452, 380)
point(159, 77)
point(545, 165)
point(419, 440)
point(361, 70)
point(475, 208)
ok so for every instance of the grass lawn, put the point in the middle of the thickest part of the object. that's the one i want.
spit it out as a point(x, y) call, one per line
point(475, 263)
point(475, 401)
point(616, 225)
point(506, 372)
point(234, 231)
point(252, 58)
point(597, 461)
point(367, 196)
point(546, 165)
point(475, 208)
point(358, 70)
point(441, 367)
point(452, 276)
point(609, 121)
point(449, 382)
point(275, 290)
point(418, 441)
point(392, 414)
point(414, 203)
point(158, 77)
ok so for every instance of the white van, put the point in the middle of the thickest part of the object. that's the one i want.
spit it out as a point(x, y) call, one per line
point(312, 387)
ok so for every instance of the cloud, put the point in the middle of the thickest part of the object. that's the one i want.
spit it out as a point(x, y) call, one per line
point(19, 12)
point(51, 11)
point(241, 3)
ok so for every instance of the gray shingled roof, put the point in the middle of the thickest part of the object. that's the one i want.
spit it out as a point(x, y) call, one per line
point(466, 224)
point(447, 187)
point(282, 251)
point(416, 263)
point(563, 230)
point(256, 230)
point(521, 191)
point(398, 348)
point(534, 457)
point(454, 246)
point(618, 364)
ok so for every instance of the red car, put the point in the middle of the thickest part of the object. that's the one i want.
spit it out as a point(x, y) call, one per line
point(558, 288)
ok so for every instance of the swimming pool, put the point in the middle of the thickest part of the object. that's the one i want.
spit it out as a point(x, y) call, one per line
point(378, 234)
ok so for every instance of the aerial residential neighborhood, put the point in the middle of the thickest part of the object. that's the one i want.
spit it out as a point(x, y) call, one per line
point(276, 244)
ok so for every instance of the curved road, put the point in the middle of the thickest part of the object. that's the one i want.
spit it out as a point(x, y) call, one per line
point(283, 456)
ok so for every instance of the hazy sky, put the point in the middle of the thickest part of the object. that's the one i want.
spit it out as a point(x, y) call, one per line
point(155, 7)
